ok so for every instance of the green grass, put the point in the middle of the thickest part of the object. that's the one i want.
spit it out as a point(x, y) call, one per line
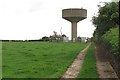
point(38, 59)
point(89, 65)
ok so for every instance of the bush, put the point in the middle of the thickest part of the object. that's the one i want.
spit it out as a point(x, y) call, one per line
point(111, 40)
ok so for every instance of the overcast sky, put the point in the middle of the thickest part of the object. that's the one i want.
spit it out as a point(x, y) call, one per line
point(33, 19)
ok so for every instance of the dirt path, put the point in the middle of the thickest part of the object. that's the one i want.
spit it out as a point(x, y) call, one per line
point(74, 69)
point(104, 68)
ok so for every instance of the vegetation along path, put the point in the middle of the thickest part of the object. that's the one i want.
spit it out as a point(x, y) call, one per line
point(74, 69)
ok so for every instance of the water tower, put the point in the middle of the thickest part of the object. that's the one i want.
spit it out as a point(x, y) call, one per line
point(74, 15)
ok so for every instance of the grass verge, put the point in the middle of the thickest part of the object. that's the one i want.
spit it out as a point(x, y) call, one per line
point(89, 69)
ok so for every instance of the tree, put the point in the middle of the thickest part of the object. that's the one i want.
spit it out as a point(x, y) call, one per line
point(45, 38)
point(63, 35)
point(108, 17)
point(55, 33)
point(79, 38)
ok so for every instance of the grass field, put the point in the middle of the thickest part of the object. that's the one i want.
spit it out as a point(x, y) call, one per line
point(38, 59)
point(89, 69)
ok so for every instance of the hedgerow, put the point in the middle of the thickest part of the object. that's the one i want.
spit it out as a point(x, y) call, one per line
point(111, 40)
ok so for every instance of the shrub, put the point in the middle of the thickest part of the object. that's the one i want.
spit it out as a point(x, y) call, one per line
point(111, 40)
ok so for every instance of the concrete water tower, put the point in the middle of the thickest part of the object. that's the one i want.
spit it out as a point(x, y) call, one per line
point(74, 15)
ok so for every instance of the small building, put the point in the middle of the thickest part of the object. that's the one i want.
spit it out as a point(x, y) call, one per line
point(83, 39)
point(65, 39)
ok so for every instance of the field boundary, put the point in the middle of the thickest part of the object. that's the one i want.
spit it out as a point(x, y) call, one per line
point(104, 68)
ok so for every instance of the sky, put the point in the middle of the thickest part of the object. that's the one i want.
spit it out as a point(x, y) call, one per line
point(33, 19)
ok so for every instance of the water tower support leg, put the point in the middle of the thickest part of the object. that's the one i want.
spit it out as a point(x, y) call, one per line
point(74, 32)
